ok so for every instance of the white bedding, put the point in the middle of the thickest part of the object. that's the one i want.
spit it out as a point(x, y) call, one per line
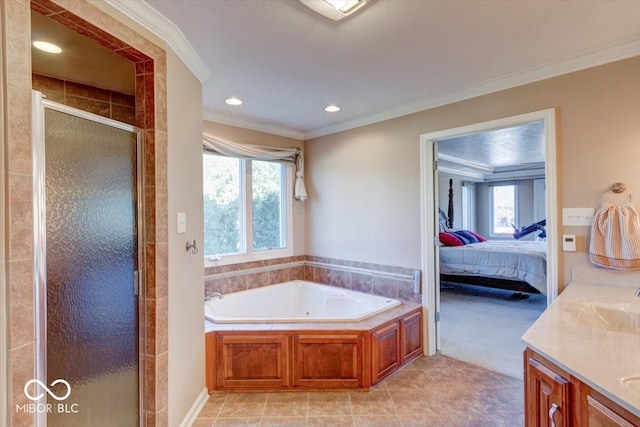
point(504, 259)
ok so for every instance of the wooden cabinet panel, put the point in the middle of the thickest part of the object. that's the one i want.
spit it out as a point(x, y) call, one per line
point(578, 404)
point(385, 351)
point(328, 361)
point(252, 361)
point(601, 415)
point(211, 362)
point(547, 400)
point(411, 337)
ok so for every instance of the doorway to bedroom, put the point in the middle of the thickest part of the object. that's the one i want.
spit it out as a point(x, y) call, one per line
point(489, 203)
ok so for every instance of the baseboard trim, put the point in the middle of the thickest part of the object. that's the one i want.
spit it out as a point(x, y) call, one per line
point(195, 409)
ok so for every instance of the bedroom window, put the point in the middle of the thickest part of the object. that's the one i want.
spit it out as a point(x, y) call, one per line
point(503, 205)
point(246, 209)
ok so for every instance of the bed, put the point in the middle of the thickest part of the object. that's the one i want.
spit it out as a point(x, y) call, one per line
point(506, 264)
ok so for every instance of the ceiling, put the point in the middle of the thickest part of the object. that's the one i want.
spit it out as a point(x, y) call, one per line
point(391, 58)
point(516, 152)
point(83, 60)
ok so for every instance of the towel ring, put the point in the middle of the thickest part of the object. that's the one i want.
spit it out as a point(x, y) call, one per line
point(617, 188)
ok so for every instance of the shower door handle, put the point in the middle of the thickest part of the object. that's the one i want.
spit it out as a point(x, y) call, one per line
point(136, 282)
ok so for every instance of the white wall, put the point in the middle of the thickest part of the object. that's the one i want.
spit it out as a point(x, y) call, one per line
point(186, 271)
point(364, 182)
point(363, 203)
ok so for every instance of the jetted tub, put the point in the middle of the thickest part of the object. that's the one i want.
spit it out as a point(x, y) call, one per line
point(293, 302)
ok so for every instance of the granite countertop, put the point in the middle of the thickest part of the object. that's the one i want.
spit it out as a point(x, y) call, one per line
point(362, 325)
point(592, 331)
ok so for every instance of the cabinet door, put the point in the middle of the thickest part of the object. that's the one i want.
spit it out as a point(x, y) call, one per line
point(329, 361)
point(547, 401)
point(602, 415)
point(411, 337)
point(385, 351)
point(252, 361)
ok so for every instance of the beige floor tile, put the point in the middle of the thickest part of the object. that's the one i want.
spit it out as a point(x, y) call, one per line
point(286, 409)
point(330, 421)
point(283, 422)
point(432, 391)
point(238, 422)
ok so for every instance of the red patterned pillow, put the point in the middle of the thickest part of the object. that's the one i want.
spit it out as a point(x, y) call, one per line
point(450, 239)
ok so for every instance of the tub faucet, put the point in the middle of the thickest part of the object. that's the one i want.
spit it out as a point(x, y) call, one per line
point(210, 295)
point(638, 292)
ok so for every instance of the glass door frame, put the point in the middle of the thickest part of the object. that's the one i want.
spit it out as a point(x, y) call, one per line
point(39, 104)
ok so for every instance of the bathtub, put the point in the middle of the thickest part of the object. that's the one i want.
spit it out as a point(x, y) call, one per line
point(294, 302)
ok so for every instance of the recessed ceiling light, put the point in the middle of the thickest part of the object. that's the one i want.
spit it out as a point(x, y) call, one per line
point(46, 46)
point(233, 101)
point(331, 108)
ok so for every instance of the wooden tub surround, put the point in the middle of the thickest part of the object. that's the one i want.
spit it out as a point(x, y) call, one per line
point(312, 356)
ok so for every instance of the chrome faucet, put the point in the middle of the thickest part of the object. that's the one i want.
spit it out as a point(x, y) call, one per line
point(209, 295)
point(638, 292)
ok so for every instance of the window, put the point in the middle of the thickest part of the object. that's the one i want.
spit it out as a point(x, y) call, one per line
point(503, 203)
point(247, 206)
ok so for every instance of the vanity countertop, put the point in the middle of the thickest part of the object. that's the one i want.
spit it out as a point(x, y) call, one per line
point(592, 331)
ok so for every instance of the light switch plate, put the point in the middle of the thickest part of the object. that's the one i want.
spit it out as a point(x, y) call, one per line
point(182, 222)
point(577, 216)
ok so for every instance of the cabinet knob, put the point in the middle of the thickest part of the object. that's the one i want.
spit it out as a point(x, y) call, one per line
point(552, 412)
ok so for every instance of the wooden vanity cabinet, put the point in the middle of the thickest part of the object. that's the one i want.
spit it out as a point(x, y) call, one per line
point(411, 337)
point(599, 411)
point(555, 398)
point(547, 393)
point(395, 344)
point(385, 351)
point(310, 359)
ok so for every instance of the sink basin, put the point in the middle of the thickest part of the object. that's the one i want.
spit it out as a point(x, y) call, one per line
point(612, 316)
point(632, 383)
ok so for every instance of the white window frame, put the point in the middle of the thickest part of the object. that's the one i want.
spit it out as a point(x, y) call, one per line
point(492, 233)
point(247, 253)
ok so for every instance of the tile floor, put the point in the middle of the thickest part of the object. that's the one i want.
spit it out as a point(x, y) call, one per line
point(430, 392)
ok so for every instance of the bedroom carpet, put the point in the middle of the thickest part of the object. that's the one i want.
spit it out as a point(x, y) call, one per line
point(483, 326)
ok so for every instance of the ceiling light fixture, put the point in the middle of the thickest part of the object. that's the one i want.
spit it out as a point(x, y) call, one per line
point(233, 101)
point(334, 9)
point(331, 108)
point(46, 46)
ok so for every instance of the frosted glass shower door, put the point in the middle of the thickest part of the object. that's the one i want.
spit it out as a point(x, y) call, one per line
point(91, 260)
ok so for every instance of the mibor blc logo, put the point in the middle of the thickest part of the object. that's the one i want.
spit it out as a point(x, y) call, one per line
point(39, 408)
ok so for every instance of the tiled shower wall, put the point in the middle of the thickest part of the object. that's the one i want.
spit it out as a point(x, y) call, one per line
point(377, 279)
point(103, 102)
point(150, 115)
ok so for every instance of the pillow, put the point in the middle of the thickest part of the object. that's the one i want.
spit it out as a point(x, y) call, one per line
point(479, 237)
point(450, 239)
point(466, 236)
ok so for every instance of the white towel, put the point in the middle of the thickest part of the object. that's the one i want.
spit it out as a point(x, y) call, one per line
point(615, 237)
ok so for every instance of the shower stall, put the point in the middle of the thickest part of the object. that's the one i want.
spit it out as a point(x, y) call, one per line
point(87, 226)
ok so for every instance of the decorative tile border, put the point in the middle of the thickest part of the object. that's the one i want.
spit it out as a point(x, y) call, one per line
point(377, 279)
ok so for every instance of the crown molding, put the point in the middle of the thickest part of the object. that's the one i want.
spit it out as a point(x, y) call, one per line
point(149, 18)
point(468, 163)
point(227, 119)
point(576, 63)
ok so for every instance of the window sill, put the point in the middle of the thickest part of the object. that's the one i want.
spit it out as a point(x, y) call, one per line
point(209, 261)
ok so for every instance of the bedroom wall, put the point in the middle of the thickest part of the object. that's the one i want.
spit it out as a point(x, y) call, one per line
point(364, 183)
